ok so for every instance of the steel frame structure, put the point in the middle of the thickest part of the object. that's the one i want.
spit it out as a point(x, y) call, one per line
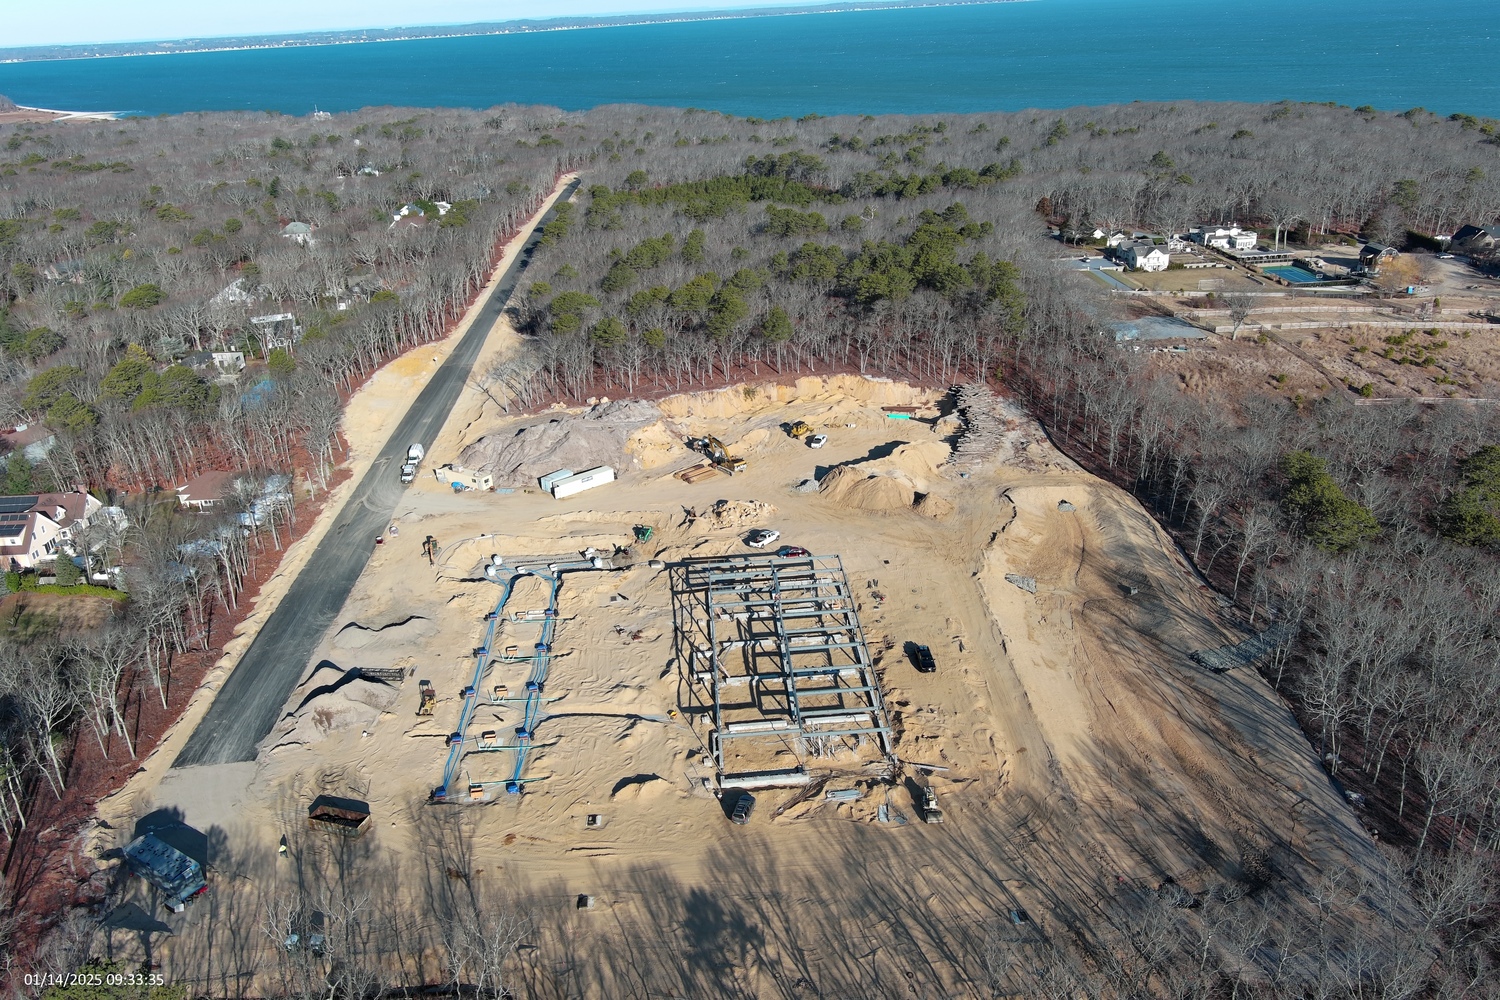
point(773, 653)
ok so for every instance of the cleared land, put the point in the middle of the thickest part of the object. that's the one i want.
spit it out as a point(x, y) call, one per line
point(1087, 760)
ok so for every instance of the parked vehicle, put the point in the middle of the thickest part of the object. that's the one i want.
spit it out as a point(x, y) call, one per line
point(744, 806)
point(415, 453)
point(408, 472)
point(817, 440)
point(761, 537)
point(921, 658)
point(793, 552)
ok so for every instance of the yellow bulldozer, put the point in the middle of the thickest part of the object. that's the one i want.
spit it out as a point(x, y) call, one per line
point(800, 429)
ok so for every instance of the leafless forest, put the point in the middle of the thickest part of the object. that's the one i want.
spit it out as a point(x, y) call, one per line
point(703, 246)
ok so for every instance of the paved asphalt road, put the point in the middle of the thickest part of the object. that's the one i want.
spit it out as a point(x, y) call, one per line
point(251, 700)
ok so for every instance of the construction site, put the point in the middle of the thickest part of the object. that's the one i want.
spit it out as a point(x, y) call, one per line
point(558, 703)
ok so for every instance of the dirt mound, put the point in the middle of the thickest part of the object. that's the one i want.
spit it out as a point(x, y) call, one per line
point(640, 786)
point(577, 441)
point(837, 395)
point(357, 636)
point(656, 445)
point(933, 506)
point(738, 513)
point(333, 699)
point(851, 486)
point(918, 462)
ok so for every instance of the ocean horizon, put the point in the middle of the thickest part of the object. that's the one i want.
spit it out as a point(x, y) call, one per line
point(998, 57)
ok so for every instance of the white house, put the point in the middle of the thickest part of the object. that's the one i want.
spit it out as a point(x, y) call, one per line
point(1230, 237)
point(277, 330)
point(229, 362)
point(232, 294)
point(1144, 256)
point(33, 528)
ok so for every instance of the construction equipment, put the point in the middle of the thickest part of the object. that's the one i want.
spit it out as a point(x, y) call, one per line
point(643, 532)
point(429, 698)
point(930, 811)
point(800, 429)
point(714, 450)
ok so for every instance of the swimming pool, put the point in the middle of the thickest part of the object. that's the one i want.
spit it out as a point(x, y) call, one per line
point(1293, 274)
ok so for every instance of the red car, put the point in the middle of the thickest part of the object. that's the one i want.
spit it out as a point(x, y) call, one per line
point(793, 552)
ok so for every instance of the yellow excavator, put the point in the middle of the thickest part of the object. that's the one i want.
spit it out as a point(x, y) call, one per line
point(713, 449)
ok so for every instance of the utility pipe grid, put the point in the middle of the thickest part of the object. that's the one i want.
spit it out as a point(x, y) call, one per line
point(535, 685)
point(484, 659)
point(471, 693)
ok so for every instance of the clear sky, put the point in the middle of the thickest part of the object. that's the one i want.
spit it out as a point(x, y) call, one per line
point(64, 22)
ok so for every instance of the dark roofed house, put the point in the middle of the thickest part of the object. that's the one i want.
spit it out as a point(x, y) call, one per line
point(70, 271)
point(298, 232)
point(1371, 255)
point(206, 490)
point(1475, 239)
point(32, 440)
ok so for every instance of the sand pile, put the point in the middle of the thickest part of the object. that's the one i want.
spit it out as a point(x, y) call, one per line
point(356, 636)
point(656, 445)
point(851, 486)
point(333, 699)
point(933, 506)
point(918, 462)
point(841, 393)
point(738, 513)
point(577, 441)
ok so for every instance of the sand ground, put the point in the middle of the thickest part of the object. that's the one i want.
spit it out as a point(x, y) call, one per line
point(1088, 759)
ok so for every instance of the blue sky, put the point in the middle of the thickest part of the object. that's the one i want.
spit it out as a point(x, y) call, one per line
point(62, 22)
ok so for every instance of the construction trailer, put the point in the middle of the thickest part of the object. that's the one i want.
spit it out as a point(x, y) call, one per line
point(177, 875)
point(546, 482)
point(776, 660)
point(587, 480)
point(460, 478)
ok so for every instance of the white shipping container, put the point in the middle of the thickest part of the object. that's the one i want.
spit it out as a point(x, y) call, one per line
point(582, 481)
point(552, 477)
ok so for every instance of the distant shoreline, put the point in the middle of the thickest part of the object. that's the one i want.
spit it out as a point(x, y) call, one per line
point(310, 39)
point(23, 115)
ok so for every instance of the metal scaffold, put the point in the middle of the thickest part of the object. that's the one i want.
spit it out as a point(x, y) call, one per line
point(775, 659)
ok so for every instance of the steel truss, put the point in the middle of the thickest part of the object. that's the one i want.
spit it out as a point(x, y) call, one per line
point(775, 659)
